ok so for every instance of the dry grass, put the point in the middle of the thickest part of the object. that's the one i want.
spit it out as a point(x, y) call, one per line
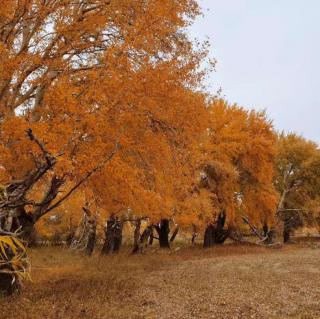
point(225, 282)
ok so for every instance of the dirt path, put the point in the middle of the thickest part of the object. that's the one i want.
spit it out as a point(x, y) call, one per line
point(190, 284)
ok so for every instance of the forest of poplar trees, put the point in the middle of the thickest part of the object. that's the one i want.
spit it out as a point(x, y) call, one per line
point(109, 138)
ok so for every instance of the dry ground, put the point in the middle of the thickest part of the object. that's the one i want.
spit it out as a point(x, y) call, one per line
point(225, 282)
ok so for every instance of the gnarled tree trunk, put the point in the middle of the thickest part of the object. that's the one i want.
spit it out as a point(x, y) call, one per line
point(215, 233)
point(292, 219)
point(163, 230)
point(143, 241)
point(85, 236)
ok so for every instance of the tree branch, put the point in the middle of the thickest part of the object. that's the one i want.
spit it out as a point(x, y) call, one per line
point(45, 152)
point(56, 183)
point(253, 228)
point(83, 179)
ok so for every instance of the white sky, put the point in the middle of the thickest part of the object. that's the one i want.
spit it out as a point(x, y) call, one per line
point(268, 54)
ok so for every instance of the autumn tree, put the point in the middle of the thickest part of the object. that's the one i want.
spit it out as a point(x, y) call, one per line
point(108, 87)
point(297, 180)
point(238, 174)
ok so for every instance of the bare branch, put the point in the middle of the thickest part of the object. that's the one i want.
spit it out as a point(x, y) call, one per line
point(32, 137)
point(253, 228)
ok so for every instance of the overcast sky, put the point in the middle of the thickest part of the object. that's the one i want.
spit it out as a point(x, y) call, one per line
point(268, 54)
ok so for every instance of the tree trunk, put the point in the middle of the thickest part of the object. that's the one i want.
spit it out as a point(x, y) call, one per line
point(163, 230)
point(17, 220)
point(9, 282)
point(118, 236)
point(150, 242)
point(113, 236)
point(215, 233)
point(208, 237)
point(174, 235)
point(136, 237)
point(283, 199)
point(286, 235)
point(91, 237)
point(269, 237)
point(26, 223)
point(265, 229)
point(85, 236)
point(193, 238)
point(143, 240)
point(220, 234)
point(69, 238)
point(194, 234)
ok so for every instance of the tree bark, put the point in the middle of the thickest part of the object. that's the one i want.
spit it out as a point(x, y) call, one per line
point(265, 229)
point(8, 284)
point(220, 234)
point(108, 246)
point(269, 237)
point(208, 237)
point(113, 236)
point(194, 234)
point(18, 219)
point(118, 236)
point(283, 199)
point(193, 238)
point(143, 240)
point(163, 230)
point(136, 237)
point(84, 238)
point(174, 235)
point(91, 237)
point(286, 235)
point(150, 242)
point(215, 233)
point(253, 228)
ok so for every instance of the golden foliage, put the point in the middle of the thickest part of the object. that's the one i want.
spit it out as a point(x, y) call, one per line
point(89, 75)
point(240, 150)
point(297, 177)
point(13, 259)
point(85, 76)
